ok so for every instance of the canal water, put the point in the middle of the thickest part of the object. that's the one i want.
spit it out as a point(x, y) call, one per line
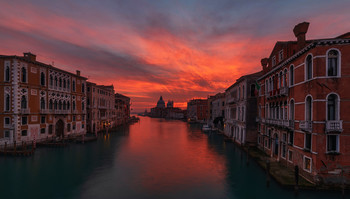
point(154, 158)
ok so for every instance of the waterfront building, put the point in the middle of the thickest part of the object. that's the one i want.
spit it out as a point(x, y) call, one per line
point(241, 109)
point(101, 111)
point(216, 107)
point(39, 101)
point(170, 104)
point(197, 110)
point(122, 107)
point(303, 103)
point(169, 112)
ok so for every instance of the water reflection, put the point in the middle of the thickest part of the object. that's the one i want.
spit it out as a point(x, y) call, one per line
point(154, 158)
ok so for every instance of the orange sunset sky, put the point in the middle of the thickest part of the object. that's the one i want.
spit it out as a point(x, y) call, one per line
point(178, 49)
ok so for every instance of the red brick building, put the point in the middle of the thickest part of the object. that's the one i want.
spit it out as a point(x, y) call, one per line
point(197, 110)
point(303, 104)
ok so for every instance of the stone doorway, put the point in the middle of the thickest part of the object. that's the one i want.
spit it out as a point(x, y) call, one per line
point(60, 128)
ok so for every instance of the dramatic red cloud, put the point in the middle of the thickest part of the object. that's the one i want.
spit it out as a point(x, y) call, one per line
point(147, 53)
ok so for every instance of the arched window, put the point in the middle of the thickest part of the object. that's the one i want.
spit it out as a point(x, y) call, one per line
point(266, 86)
point(23, 102)
point(285, 78)
point(42, 103)
point(7, 102)
point(82, 106)
point(83, 88)
point(333, 63)
point(42, 79)
point(51, 80)
point(50, 104)
point(56, 81)
point(291, 75)
point(68, 105)
point(24, 74)
point(7, 74)
point(73, 85)
point(64, 83)
point(308, 67)
point(332, 107)
point(68, 84)
point(243, 92)
point(252, 90)
point(64, 105)
point(73, 105)
point(308, 108)
point(60, 82)
point(55, 104)
point(280, 80)
point(60, 105)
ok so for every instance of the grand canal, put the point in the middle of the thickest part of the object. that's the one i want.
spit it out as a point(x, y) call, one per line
point(154, 158)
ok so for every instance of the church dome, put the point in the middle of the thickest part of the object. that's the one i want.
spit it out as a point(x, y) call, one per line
point(161, 103)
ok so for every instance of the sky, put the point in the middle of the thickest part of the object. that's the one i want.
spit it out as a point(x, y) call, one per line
point(180, 50)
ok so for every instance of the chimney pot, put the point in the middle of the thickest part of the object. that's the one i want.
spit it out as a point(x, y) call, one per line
point(78, 72)
point(29, 56)
point(300, 31)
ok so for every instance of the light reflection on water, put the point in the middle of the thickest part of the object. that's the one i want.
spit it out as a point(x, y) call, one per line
point(154, 158)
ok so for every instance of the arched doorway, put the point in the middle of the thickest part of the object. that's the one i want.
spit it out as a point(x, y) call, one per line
point(275, 151)
point(60, 128)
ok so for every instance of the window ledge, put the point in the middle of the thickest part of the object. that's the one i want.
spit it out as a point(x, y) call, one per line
point(307, 150)
point(332, 153)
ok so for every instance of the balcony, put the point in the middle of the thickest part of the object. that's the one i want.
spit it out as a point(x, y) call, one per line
point(284, 91)
point(305, 126)
point(24, 110)
point(334, 126)
point(45, 111)
point(231, 100)
point(62, 112)
point(291, 124)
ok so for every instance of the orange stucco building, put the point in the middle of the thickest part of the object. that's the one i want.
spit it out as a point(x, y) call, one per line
point(39, 101)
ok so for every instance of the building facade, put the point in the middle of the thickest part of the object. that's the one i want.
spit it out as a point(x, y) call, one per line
point(101, 111)
point(39, 101)
point(197, 110)
point(216, 107)
point(122, 107)
point(241, 109)
point(302, 105)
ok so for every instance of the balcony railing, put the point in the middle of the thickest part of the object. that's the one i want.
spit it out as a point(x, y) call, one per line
point(24, 110)
point(284, 91)
point(305, 125)
point(62, 111)
point(45, 111)
point(334, 126)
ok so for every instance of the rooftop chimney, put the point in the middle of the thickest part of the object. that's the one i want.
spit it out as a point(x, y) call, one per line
point(78, 72)
point(264, 62)
point(29, 56)
point(300, 31)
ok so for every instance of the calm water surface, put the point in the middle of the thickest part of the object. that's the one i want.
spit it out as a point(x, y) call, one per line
point(154, 158)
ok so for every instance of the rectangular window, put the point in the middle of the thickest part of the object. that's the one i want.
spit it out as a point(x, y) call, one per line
point(7, 121)
point(24, 121)
point(290, 156)
point(7, 134)
point(42, 131)
point(82, 126)
point(307, 164)
point(50, 129)
point(43, 119)
point(73, 117)
point(273, 61)
point(291, 138)
point(280, 55)
point(68, 127)
point(73, 126)
point(332, 143)
point(24, 133)
point(307, 141)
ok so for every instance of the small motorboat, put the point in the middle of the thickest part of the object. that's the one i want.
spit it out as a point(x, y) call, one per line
point(206, 127)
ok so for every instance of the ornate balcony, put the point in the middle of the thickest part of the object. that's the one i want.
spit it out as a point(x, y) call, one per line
point(334, 126)
point(45, 111)
point(291, 124)
point(60, 112)
point(305, 126)
point(284, 91)
point(24, 110)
